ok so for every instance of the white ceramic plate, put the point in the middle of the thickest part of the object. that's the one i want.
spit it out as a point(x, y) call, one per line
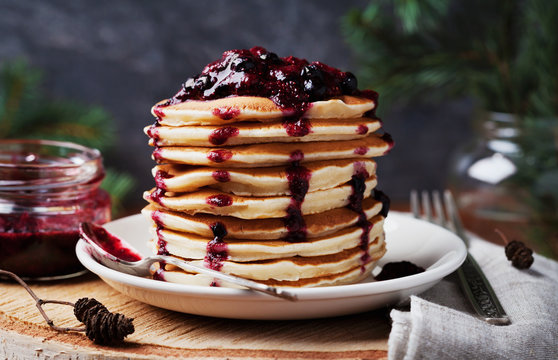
point(437, 250)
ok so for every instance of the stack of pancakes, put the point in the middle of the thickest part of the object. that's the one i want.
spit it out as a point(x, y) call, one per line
point(242, 191)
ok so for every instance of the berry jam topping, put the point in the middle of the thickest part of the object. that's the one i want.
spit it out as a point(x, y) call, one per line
point(221, 135)
point(297, 127)
point(226, 112)
point(296, 156)
point(157, 155)
point(219, 155)
point(159, 113)
point(219, 200)
point(159, 274)
point(358, 183)
point(221, 175)
point(153, 131)
point(387, 138)
point(113, 245)
point(291, 83)
point(160, 177)
point(161, 244)
point(384, 199)
point(298, 177)
point(394, 270)
point(362, 130)
point(217, 249)
point(156, 217)
point(157, 195)
point(361, 150)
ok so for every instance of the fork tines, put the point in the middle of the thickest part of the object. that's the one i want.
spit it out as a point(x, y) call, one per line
point(443, 212)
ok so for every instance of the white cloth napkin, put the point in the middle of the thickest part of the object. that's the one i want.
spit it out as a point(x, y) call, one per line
point(441, 323)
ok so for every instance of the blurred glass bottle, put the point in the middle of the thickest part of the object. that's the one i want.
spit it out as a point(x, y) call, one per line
point(483, 179)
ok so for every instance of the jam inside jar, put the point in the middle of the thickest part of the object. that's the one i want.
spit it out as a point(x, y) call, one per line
point(46, 189)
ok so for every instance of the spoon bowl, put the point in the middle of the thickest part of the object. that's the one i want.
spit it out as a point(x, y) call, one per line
point(118, 255)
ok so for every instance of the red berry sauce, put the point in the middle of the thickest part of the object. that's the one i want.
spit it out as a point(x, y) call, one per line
point(216, 250)
point(161, 243)
point(157, 155)
point(226, 112)
point(33, 245)
point(113, 245)
point(157, 194)
point(291, 83)
point(361, 150)
point(153, 132)
point(298, 177)
point(219, 155)
point(221, 175)
point(384, 199)
point(158, 113)
point(358, 183)
point(362, 129)
point(219, 200)
point(394, 270)
point(387, 138)
point(160, 177)
point(221, 135)
point(298, 127)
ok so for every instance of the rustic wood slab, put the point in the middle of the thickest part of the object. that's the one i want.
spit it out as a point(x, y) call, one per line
point(166, 334)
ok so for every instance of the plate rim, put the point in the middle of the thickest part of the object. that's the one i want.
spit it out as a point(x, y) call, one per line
point(321, 293)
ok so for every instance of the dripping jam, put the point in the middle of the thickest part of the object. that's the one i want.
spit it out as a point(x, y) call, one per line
point(219, 155)
point(221, 135)
point(298, 178)
point(216, 250)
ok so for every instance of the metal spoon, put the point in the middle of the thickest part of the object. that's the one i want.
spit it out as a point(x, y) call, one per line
point(118, 255)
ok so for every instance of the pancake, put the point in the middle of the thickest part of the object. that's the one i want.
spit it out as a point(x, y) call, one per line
point(193, 246)
point(274, 154)
point(254, 132)
point(218, 203)
point(269, 181)
point(298, 267)
point(267, 229)
point(265, 171)
point(353, 275)
point(251, 108)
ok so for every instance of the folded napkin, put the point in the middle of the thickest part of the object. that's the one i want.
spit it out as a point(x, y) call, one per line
point(441, 324)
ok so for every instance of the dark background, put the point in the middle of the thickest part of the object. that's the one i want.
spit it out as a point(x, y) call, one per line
point(126, 55)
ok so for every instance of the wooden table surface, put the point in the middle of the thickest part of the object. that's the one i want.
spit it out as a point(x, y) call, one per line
point(165, 334)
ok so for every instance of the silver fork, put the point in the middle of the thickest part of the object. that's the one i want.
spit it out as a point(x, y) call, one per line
point(473, 282)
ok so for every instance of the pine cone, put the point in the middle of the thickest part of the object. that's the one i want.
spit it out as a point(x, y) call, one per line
point(102, 326)
point(519, 254)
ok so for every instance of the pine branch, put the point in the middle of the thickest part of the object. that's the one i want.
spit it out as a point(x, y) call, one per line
point(504, 53)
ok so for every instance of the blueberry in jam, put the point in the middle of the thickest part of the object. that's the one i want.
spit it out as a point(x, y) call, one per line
point(291, 83)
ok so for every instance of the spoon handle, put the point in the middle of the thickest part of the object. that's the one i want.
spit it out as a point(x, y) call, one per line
point(253, 285)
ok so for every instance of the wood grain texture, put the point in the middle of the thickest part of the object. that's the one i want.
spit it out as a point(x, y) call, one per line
point(161, 333)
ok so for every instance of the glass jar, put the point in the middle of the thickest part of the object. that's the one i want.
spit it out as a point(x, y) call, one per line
point(482, 179)
point(46, 189)
point(507, 179)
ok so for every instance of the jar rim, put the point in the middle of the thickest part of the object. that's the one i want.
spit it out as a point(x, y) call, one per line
point(29, 164)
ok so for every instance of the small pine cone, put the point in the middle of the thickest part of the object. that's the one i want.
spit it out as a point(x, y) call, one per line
point(519, 254)
point(102, 326)
point(523, 258)
point(83, 305)
point(512, 247)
